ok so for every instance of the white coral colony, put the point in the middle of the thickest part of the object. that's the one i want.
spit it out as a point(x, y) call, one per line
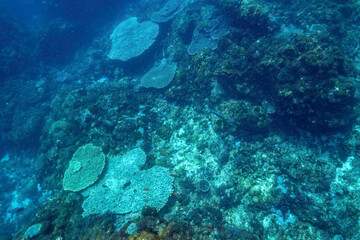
point(159, 76)
point(131, 38)
point(126, 189)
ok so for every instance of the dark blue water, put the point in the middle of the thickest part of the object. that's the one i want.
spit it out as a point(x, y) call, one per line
point(25, 11)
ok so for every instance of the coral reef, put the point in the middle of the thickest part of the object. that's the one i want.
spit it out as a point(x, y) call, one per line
point(131, 38)
point(168, 11)
point(84, 168)
point(159, 76)
point(126, 190)
point(246, 125)
point(33, 231)
point(306, 82)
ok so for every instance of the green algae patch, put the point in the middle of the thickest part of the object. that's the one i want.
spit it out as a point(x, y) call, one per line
point(84, 168)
